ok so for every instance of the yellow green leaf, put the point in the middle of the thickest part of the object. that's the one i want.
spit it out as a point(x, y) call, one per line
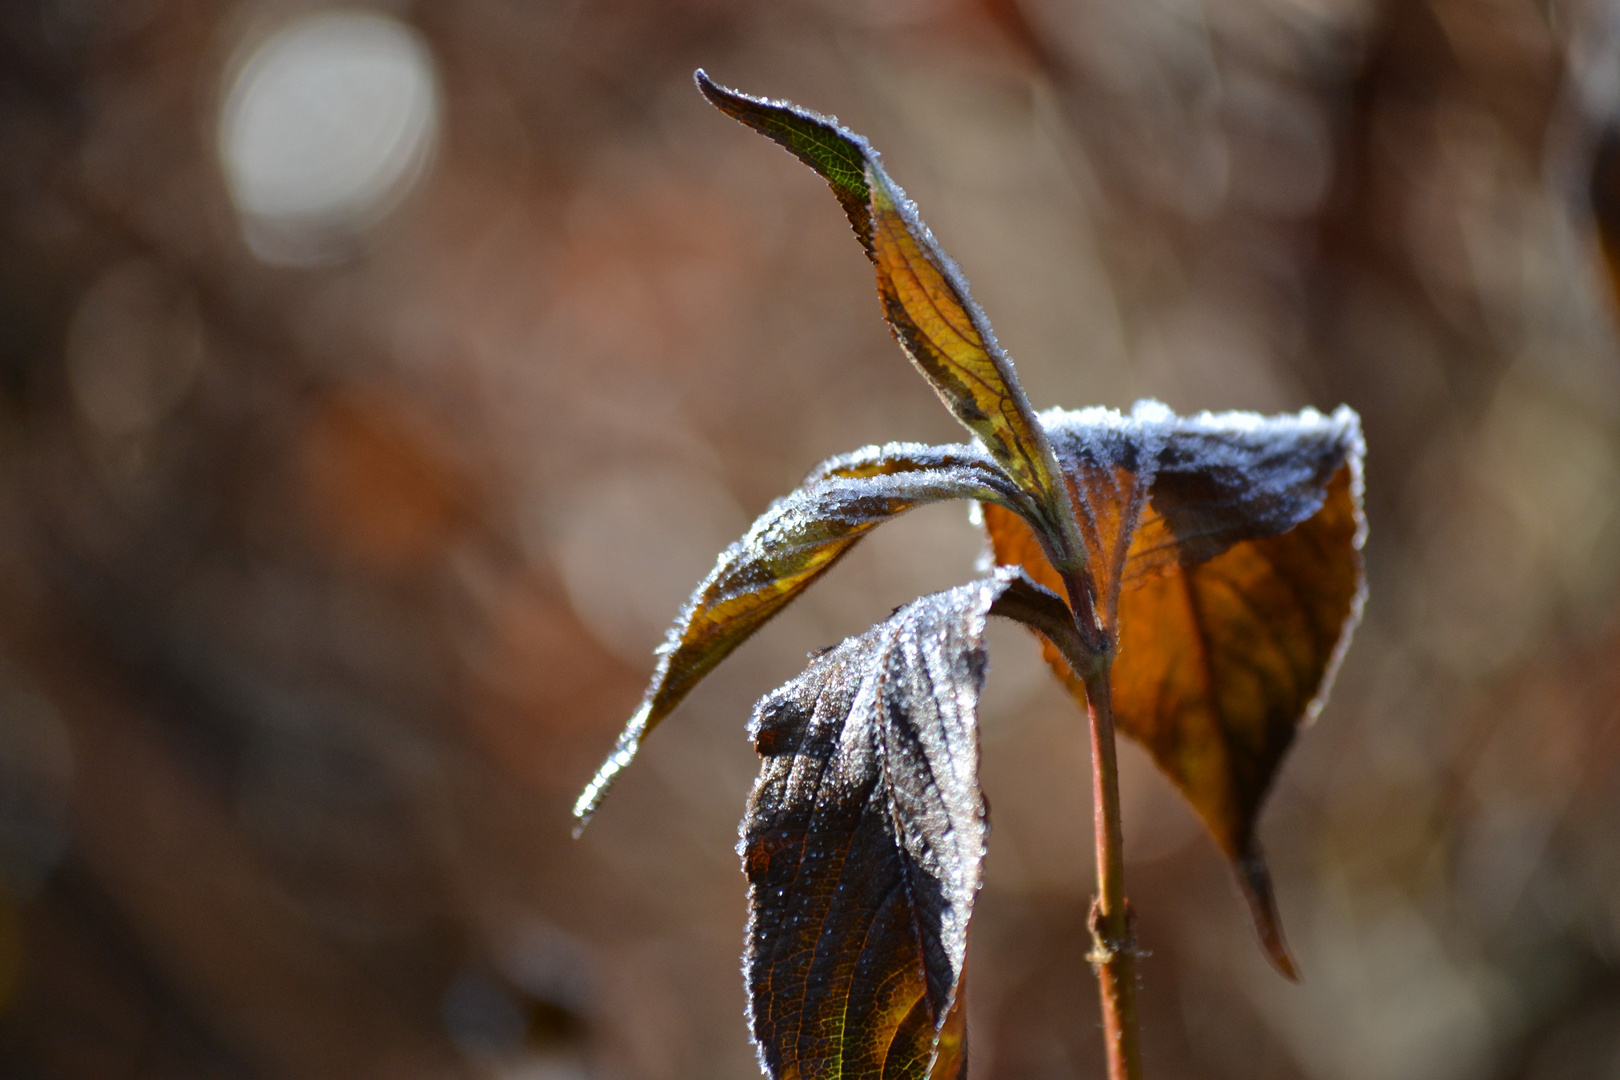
point(925, 299)
point(788, 548)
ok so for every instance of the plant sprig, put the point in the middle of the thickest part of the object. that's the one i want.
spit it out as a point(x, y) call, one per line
point(1193, 580)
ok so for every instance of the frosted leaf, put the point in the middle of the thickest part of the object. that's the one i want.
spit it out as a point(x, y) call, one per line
point(864, 839)
point(1225, 555)
point(925, 298)
point(790, 546)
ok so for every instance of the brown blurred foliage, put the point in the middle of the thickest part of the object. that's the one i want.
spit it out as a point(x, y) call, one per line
point(333, 547)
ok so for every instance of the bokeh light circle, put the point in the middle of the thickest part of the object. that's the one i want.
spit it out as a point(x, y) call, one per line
point(327, 123)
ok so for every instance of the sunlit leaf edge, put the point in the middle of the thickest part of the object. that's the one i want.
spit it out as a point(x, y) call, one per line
point(978, 478)
point(830, 149)
point(872, 698)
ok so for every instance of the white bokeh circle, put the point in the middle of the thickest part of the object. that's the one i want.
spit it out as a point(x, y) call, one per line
point(327, 123)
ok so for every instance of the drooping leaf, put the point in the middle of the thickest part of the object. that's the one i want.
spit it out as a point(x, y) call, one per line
point(791, 545)
point(863, 842)
point(1227, 554)
point(925, 297)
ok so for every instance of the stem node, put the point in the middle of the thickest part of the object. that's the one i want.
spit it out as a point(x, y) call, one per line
point(1105, 948)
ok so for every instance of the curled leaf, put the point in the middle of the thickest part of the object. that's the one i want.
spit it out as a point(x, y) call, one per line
point(791, 545)
point(862, 844)
point(1227, 554)
point(925, 298)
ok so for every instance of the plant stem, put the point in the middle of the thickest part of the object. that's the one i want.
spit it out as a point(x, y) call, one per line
point(1113, 940)
point(1089, 649)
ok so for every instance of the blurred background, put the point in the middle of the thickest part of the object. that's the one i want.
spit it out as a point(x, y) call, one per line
point(376, 381)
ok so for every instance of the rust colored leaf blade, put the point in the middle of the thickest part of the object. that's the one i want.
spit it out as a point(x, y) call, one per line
point(1236, 476)
point(1232, 601)
point(1222, 661)
point(788, 548)
point(925, 298)
point(1108, 463)
point(863, 843)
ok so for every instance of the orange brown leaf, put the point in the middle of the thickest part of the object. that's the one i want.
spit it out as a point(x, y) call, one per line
point(1232, 587)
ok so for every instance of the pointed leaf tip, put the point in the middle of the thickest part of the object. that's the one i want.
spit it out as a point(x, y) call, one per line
point(925, 301)
point(1228, 551)
point(837, 154)
point(624, 750)
point(1254, 878)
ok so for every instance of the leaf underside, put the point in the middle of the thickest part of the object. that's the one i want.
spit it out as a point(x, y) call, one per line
point(925, 296)
point(1227, 552)
point(788, 548)
point(863, 843)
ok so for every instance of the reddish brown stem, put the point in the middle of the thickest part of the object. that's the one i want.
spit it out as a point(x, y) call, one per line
point(1113, 940)
point(1089, 649)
